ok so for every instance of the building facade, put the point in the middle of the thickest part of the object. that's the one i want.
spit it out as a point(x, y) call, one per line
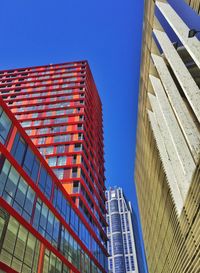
point(120, 232)
point(167, 171)
point(139, 246)
point(195, 4)
point(59, 108)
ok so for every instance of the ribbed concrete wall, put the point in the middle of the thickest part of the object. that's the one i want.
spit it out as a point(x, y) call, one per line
point(167, 171)
point(195, 4)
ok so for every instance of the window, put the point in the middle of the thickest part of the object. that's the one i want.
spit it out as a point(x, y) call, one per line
point(52, 161)
point(4, 217)
point(26, 123)
point(74, 159)
point(45, 183)
point(84, 234)
point(34, 115)
point(15, 191)
point(119, 264)
point(46, 223)
point(77, 147)
point(55, 129)
point(110, 264)
point(59, 173)
point(113, 206)
point(25, 157)
point(43, 131)
point(19, 149)
point(5, 125)
point(49, 150)
point(53, 263)
point(130, 243)
point(132, 263)
point(80, 136)
point(123, 223)
point(61, 149)
point(28, 161)
point(125, 244)
point(29, 132)
point(113, 194)
point(46, 121)
point(109, 247)
point(61, 160)
point(74, 172)
point(61, 120)
point(121, 205)
point(127, 264)
point(62, 138)
point(117, 244)
point(76, 187)
point(20, 248)
point(61, 204)
point(74, 221)
point(48, 114)
point(115, 222)
point(127, 222)
point(41, 140)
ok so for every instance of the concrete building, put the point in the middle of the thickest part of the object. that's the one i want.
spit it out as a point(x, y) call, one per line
point(167, 170)
point(195, 4)
point(120, 232)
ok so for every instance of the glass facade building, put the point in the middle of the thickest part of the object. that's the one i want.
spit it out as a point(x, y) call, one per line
point(51, 171)
point(121, 242)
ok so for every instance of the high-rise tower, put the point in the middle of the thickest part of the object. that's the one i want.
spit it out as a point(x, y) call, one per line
point(120, 231)
point(167, 171)
point(60, 109)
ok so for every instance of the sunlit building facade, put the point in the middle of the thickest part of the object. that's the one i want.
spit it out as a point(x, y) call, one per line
point(167, 171)
point(61, 162)
point(121, 242)
point(195, 4)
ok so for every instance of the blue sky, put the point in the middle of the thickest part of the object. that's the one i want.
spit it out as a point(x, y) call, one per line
point(108, 35)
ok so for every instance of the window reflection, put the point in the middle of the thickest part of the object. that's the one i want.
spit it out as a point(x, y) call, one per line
point(5, 125)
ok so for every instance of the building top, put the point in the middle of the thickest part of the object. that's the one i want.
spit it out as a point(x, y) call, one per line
point(121, 233)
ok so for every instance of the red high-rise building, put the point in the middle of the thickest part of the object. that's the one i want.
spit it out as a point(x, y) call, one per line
point(60, 109)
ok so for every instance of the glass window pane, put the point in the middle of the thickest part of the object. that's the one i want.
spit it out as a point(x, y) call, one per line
point(35, 170)
point(42, 179)
point(29, 254)
point(21, 243)
point(43, 218)
point(11, 235)
point(3, 175)
point(21, 192)
point(52, 161)
point(61, 160)
point(49, 150)
point(5, 125)
point(48, 186)
point(20, 151)
point(29, 160)
point(28, 206)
